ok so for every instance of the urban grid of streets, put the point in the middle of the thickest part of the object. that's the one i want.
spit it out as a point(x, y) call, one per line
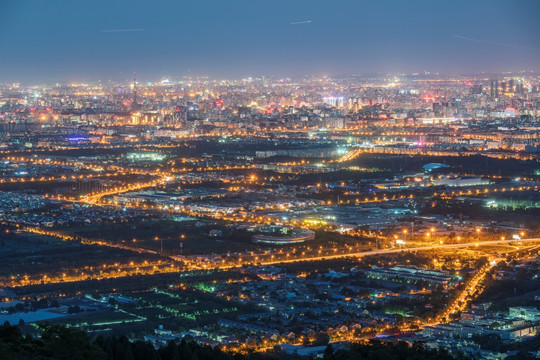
point(384, 170)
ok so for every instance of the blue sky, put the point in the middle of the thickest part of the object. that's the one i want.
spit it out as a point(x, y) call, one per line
point(65, 40)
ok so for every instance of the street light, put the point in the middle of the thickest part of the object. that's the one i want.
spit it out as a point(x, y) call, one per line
point(156, 238)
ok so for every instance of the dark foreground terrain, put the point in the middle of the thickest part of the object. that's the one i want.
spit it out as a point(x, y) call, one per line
point(61, 343)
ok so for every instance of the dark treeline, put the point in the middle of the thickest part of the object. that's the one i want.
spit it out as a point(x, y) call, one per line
point(388, 351)
point(61, 343)
point(494, 342)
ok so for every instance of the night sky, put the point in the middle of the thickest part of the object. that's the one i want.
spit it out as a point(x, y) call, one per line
point(72, 40)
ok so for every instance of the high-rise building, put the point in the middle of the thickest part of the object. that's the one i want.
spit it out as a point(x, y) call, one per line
point(494, 89)
point(519, 87)
point(134, 105)
point(510, 86)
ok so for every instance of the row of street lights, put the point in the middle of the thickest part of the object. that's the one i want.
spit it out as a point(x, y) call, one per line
point(182, 237)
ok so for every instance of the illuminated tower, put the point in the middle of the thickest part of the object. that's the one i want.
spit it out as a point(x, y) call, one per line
point(134, 105)
point(135, 114)
point(494, 89)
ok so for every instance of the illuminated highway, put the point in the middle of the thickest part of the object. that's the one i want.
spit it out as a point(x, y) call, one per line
point(354, 153)
point(360, 254)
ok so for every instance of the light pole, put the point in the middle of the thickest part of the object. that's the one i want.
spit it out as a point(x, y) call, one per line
point(161, 239)
point(182, 237)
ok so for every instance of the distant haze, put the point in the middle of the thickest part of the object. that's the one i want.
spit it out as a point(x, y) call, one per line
point(60, 40)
